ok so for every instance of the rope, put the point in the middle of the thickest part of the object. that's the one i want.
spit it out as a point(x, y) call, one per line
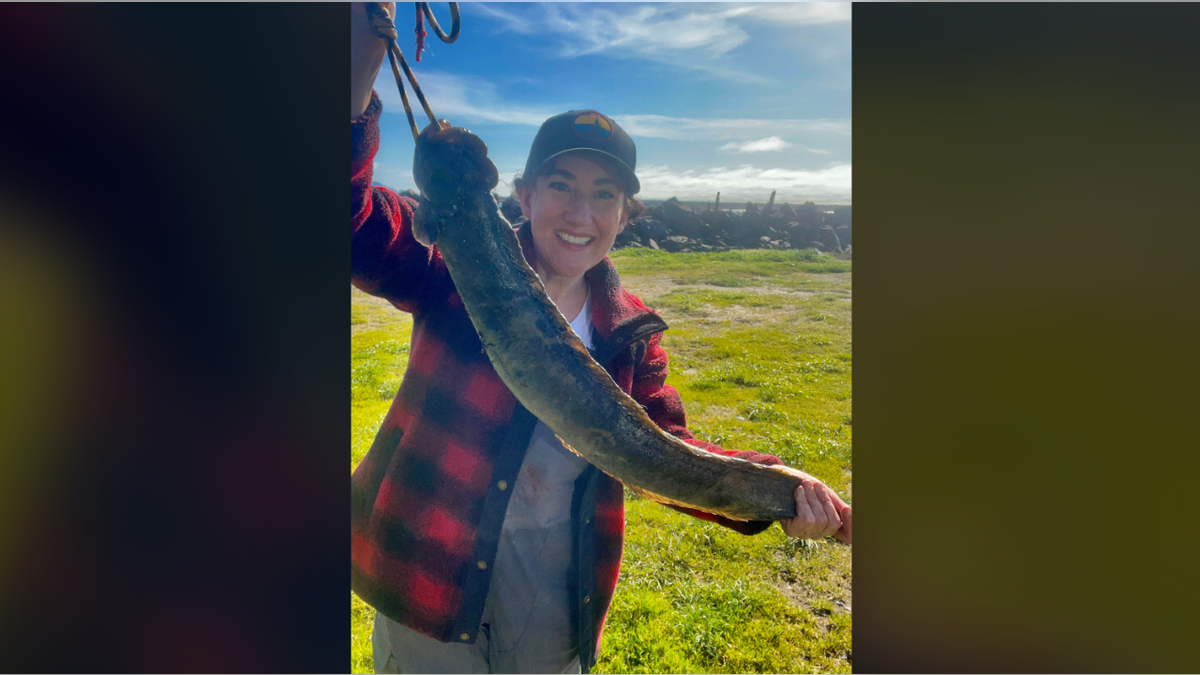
point(420, 31)
point(455, 22)
point(385, 27)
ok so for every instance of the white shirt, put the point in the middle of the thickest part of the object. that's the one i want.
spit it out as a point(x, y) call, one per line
point(527, 606)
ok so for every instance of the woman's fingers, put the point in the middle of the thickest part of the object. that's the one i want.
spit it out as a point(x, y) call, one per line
point(844, 533)
point(817, 525)
point(802, 524)
point(821, 521)
point(819, 512)
point(810, 518)
point(838, 503)
point(833, 522)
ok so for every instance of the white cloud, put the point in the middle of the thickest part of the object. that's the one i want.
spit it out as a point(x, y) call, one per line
point(695, 129)
point(715, 28)
point(466, 100)
point(819, 152)
point(797, 13)
point(747, 183)
point(772, 144)
point(645, 29)
point(459, 99)
point(504, 20)
point(687, 35)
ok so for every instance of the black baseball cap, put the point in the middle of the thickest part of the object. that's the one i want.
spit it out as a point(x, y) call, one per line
point(584, 130)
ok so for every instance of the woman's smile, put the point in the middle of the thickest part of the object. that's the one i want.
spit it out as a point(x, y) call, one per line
point(577, 210)
point(575, 242)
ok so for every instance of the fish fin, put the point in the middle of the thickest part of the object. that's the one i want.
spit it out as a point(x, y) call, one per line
point(671, 502)
point(652, 496)
point(568, 446)
point(425, 227)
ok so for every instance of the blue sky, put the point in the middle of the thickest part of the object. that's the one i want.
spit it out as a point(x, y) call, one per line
point(741, 98)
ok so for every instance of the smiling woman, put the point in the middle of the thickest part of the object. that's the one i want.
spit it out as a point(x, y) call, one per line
point(485, 544)
point(578, 199)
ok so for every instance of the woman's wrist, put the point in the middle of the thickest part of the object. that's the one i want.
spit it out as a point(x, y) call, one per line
point(367, 52)
point(362, 79)
point(359, 105)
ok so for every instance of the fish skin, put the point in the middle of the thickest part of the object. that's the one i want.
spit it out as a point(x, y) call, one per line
point(547, 367)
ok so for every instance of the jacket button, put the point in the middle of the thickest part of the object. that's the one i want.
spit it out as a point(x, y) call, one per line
point(587, 521)
point(482, 565)
point(502, 485)
point(587, 599)
point(464, 637)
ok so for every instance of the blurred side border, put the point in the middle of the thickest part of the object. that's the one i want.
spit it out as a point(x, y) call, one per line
point(1025, 319)
point(174, 392)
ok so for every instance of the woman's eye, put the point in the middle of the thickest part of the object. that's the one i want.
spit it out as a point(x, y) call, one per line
point(605, 194)
point(560, 186)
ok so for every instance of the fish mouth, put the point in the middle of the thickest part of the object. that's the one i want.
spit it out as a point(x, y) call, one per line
point(573, 239)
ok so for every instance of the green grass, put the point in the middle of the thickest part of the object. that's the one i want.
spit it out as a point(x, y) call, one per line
point(760, 343)
point(733, 269)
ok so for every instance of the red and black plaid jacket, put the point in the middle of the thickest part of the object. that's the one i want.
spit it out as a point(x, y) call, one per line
point(428, 500)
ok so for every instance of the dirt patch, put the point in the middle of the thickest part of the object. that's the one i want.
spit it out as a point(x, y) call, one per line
point(839, 602)
point(836, 597)
point(712, 411)
point(821, 582)
point(373, 313)
point(833, 278)
point(709, 316)
point(644, 286)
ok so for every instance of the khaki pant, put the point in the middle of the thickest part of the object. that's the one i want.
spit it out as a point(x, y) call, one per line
point(398, 649)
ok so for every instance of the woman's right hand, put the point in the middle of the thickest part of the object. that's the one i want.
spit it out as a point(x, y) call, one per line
point(367, 51)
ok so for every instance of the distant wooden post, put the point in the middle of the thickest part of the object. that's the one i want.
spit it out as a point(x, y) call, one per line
point(771, 202)
point(718, 201)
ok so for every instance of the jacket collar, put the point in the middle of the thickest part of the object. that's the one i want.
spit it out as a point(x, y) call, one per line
point(618, 316)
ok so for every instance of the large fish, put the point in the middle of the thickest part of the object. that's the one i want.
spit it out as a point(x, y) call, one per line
point(544, 363)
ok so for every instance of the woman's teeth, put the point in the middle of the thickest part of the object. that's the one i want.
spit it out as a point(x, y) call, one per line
point(573, 240)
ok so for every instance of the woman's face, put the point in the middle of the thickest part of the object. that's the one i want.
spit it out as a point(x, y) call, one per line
point(576, 212)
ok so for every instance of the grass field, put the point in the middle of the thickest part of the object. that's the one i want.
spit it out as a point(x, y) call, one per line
point(760, 343)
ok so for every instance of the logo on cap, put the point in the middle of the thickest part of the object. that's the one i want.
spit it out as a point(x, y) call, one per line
point(592, 126)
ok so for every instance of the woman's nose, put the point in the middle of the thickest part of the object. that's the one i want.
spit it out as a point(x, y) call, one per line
point(578, 211)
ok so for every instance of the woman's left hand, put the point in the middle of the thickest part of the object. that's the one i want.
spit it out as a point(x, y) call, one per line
point(819, 513)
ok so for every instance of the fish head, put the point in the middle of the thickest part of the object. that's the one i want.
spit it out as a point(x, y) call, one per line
point(451, 164)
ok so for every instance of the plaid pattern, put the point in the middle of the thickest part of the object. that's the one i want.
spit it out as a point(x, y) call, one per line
point(428, 500)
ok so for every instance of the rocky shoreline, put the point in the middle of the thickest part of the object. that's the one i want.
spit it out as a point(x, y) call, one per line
point(674, 227)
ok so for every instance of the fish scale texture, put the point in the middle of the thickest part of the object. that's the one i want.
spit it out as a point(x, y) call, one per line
point(424, 500)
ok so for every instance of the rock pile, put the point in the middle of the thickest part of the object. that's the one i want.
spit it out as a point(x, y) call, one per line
point(672, 226)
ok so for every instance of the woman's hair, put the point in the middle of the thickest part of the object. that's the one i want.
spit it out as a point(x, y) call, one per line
point(633, 206)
